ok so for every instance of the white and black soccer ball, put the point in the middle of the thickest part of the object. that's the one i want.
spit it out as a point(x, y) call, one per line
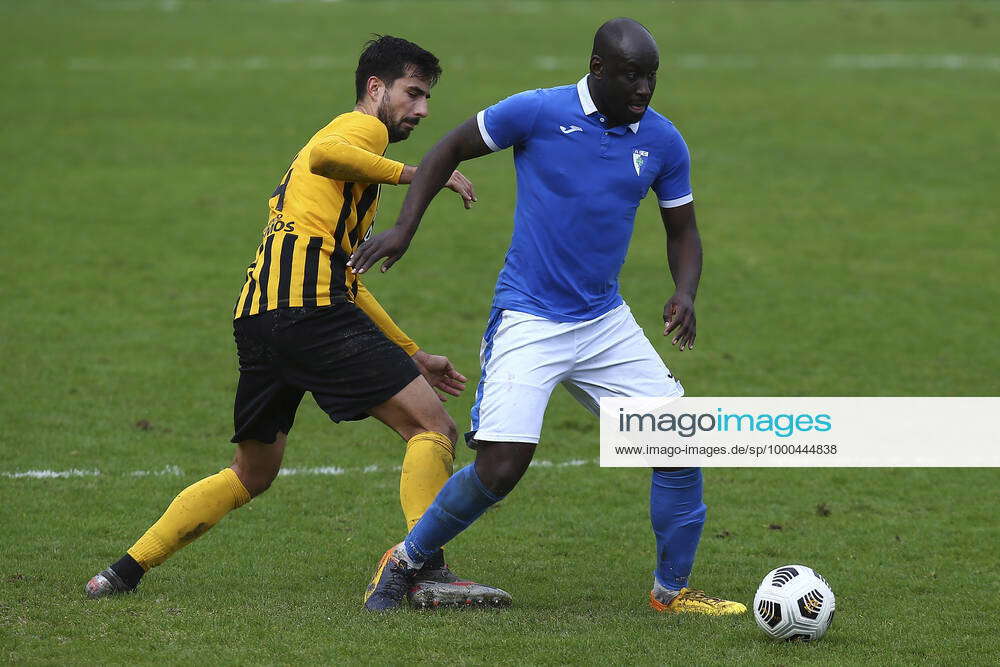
point(794, 602)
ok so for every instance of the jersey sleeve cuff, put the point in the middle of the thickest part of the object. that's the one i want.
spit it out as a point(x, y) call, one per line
point(397, 172)
point(481, 119)
point(680, 201)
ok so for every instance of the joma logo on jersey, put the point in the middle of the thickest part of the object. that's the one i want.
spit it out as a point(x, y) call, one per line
point(639, 159)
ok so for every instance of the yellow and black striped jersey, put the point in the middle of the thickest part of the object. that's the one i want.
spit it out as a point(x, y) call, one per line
point(316, 221)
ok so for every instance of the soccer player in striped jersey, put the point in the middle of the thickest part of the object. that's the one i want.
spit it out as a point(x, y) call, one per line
point(303, 322)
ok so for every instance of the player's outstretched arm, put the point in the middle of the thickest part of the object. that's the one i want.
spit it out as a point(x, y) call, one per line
point(684, 258)
point(337, 159)
point(463, 143)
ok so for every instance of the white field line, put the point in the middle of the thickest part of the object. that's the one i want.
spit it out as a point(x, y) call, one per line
point(546, 63)
point(914, 61)
point(174, 5)
point(169, 5)
point(837, 61)
point(133, 5)
point(52, 474)
point(321, 471)
point(192, 64)
point(170, 470)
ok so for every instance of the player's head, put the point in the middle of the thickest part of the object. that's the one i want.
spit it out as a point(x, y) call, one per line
point(394, 80)
point(623, 65)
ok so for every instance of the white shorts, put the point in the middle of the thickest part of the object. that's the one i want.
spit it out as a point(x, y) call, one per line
point(524, 356)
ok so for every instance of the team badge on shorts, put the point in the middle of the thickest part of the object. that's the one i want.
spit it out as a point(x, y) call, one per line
point(639, 159)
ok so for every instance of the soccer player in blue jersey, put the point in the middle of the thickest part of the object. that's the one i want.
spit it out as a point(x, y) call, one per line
point(585, 155)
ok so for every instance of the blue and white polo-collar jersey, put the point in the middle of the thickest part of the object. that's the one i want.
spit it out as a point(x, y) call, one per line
point(579, 184)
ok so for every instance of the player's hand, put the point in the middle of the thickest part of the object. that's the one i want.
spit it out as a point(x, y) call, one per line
point(391, 244)
point(463, 186)
point(678, 319)
point(439, 373)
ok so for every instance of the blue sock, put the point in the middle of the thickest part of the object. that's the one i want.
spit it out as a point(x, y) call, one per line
point(462, 500)
point(677, 514)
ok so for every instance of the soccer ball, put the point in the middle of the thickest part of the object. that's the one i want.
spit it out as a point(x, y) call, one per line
point(794, 602)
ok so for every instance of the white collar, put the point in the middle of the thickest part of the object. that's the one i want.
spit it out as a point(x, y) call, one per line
point(587, 102)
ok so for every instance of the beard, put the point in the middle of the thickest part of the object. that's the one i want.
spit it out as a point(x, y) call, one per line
point(396, 130)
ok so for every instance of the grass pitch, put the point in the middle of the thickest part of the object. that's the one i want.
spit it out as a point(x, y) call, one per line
point(844, 168)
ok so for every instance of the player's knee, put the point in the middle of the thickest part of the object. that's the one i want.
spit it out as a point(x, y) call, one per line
point(255, 480)
point(500, 467)
point(698, 514)
point(257, 464)
point(441, 423)
point(448, 429)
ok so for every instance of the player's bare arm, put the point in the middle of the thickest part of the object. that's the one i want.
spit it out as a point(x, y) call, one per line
point(684, 257)
point(436, 169)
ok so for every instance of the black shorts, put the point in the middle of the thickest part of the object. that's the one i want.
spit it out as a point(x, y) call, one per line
point(335, 352)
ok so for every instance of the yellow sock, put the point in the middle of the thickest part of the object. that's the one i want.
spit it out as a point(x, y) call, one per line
point(195, 509)
point(428, 464)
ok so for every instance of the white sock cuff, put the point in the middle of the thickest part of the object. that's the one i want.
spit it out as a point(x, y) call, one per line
point(415, 563)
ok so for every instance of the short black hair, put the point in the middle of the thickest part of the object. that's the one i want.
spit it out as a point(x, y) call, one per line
point(389, 57)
